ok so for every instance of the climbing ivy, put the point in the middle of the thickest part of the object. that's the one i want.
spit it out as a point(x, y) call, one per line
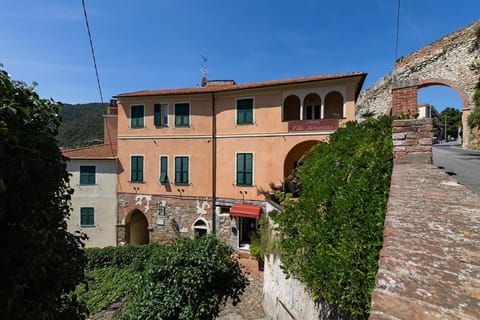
point(331, 237)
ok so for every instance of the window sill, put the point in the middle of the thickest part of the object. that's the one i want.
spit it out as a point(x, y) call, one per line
point(88, 226)
point(245, 123)
point(181, 183)
point(244, 185)
point(141, 182)
point(182, 126)
point(161, 126)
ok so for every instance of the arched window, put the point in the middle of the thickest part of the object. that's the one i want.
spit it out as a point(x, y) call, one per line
point(333, 106)
point(312, 105)
point(291, 108)
point(200, 228)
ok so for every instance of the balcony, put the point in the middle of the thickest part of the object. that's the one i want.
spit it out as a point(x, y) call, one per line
point(317, 125)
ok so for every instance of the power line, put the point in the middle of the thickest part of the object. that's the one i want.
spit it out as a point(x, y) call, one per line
point(93, 52)
point(396, 40)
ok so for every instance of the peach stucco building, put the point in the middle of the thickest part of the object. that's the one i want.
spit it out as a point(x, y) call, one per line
point(193, 160)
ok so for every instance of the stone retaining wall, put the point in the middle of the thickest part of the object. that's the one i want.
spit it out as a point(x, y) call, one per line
point(430, 262)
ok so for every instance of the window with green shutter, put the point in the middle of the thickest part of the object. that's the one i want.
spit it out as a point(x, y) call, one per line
point(163, 169)
point(245, 111)
point(244, 169)
point(136, 116)
point(87, 217)
point(87, 175)
point(160, 114)
point(182, 114)
point(181, 170)
point(136, 169)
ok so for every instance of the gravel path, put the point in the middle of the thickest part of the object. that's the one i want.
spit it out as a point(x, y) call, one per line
point(251, 306)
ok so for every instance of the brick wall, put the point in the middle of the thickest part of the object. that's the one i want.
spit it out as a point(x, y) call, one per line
point(404, 101)
point(430, 263)
point(412, 141)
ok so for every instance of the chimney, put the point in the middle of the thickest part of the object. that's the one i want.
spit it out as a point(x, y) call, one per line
point(204, 81)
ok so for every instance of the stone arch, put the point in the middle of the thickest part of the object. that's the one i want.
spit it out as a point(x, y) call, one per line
point(293, 157)
point(445, 61)
point(136, 228)
point(200, 228)
point(442, 82)
point(291, 108)
point(312, 106)
point(333, 106)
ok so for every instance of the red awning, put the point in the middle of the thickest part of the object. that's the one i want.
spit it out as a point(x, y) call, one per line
point(245, 210)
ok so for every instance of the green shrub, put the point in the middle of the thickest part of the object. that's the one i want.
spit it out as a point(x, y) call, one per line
point(185, 280)
point(330, 239)
point(120, 257)
point(106, 286)
point(189, 280)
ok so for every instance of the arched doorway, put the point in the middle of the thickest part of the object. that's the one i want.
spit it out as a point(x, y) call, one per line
point(136, 228)
point(200, 228)
point(294, 156)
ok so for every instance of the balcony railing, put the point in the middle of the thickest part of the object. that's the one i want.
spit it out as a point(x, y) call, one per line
point(313, 125)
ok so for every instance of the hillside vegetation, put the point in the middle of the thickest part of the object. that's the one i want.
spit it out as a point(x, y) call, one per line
point(82, 124)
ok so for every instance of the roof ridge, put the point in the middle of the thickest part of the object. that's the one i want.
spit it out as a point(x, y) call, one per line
point(226, 87)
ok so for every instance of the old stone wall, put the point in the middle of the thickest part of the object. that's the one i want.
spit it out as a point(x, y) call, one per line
point(168, 217)
point(287, 299)
point(446, 62)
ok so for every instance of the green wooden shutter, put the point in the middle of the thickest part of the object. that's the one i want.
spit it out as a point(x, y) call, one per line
point(87, 174)
point(181, 169)
point(163, 169)
point(248, 168)
point(157, 114)
point(137, 114)
point(136, 172)
point(182, 114)
point(87, 216)
point(245, 111)
point(244, 168)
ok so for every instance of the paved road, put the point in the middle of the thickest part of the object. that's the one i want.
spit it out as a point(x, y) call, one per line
point(463, 165)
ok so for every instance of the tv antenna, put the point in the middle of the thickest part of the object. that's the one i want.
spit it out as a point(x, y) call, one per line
point(204, 69)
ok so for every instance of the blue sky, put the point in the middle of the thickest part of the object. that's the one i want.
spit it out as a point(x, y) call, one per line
point(153, 44)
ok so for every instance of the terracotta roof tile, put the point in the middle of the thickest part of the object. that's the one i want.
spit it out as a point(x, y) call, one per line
point(251, 85)
point(100, 151)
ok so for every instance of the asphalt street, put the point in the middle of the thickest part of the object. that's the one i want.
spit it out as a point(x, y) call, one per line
point(463, 165)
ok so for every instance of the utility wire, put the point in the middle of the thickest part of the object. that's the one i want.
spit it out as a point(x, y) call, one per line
point(93, 52)
point(396, 38)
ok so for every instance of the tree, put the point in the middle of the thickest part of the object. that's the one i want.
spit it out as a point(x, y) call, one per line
point(454, 121)
point(41, 261)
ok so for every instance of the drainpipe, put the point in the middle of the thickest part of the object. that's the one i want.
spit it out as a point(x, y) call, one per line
point(214, 162)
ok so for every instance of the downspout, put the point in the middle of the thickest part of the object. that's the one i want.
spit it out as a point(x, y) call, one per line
point(214, 163)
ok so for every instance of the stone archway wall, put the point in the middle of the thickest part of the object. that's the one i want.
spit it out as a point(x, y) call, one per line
point(445, 61)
